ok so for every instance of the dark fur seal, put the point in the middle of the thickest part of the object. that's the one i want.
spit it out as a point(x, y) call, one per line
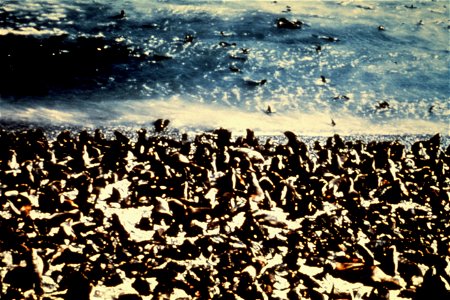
point(287, 24)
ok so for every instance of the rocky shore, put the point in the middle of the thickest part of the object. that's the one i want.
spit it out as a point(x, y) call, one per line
point(216, 217)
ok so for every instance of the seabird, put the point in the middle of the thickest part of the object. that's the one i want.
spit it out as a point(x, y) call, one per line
point(245, 50)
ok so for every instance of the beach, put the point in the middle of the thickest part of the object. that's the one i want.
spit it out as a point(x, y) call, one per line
point(212, 216)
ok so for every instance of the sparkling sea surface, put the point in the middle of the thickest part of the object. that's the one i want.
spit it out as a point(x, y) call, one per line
point(366, 67)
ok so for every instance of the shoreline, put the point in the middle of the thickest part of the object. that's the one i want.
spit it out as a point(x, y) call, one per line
point(52, 130)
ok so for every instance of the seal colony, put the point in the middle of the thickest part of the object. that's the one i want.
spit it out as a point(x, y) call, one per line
point(215, 217)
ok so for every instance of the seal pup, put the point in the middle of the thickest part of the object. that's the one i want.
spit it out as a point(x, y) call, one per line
point(29, 276)
point(141, 286)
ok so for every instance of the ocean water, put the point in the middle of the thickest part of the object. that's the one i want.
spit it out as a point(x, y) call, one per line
point(198, 63)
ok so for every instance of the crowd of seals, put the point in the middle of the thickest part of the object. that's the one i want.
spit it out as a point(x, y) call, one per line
point(217, 217)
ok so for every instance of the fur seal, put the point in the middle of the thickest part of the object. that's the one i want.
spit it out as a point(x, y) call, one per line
point(284, 23)
point(226, 44)
point(234, 69)
point(383, 105)
point(119, 16)
point(326, 38)
point(188, 38)
point(341, 97)
point(161, 124)
point(250, 82)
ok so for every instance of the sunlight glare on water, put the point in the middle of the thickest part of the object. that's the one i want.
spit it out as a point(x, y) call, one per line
point(211, 56)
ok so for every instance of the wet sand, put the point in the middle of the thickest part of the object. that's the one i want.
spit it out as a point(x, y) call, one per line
point(213, 216)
